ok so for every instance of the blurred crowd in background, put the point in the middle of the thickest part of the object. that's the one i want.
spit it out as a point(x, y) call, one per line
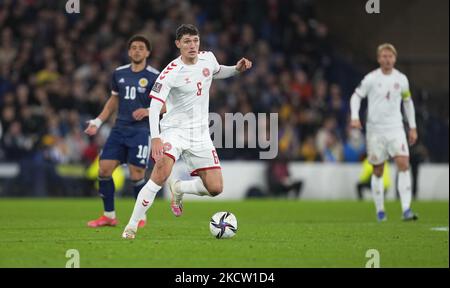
point(55, 71)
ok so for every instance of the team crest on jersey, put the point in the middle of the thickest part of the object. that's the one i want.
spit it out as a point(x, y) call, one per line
point(396, 86)
point(206, 72)
point(143, 82)
point(157, 87)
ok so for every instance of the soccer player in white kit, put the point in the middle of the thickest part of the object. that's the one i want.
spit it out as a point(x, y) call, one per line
point(386, 89)
point(183, 87)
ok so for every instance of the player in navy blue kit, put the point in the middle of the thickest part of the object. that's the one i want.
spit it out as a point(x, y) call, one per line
point(129, 138)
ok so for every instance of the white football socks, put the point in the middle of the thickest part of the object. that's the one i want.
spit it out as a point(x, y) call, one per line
point(378, 192)
point(143, 202)
point(194, 186)
point(110, 214)
point(404, 189)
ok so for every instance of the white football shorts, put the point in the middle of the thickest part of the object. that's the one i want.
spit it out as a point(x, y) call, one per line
point(198, 153)
point(383, 146)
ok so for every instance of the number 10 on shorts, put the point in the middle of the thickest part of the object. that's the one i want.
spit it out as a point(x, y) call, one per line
point(143, 152)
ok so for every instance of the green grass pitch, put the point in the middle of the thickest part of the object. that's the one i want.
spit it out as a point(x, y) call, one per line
point(272, 233)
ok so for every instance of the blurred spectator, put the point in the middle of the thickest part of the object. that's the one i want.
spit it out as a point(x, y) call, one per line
point(54, 64)
point(354, 147)
point(288, 139)
point(301, 87)
point(333, 148)
point(338, 107)
point(279, 180)
point(323, 138)
point(17, 146)
point(308, 150)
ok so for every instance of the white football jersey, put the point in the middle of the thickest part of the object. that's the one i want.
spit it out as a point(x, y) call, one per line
point(385, 94)
point(185, 91)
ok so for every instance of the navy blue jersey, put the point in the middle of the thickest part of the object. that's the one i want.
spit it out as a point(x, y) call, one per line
point(133, 89)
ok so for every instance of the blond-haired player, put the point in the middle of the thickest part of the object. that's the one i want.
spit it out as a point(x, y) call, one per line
point(386, 89)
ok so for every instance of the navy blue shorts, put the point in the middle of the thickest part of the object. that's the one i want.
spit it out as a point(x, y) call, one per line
point(127, 145)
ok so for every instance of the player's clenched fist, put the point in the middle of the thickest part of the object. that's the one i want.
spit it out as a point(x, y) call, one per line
point(243, 65)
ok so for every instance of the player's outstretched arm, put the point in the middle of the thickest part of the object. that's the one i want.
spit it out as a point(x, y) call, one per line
point(230, 71)
point(109, 108)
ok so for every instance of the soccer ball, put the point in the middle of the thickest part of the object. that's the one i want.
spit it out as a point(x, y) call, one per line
point(223, 225)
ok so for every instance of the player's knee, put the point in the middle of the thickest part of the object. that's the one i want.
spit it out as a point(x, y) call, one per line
point(402, 163)
point(378, 174)
point(104, 172)
point(137, 175)
point(378, 171)
point(215, 189)
point(136, 178)
point(161, 171)
point(160, 175)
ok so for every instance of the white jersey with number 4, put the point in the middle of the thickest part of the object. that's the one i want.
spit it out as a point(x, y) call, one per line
point(385, 94)
point(185, 91)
